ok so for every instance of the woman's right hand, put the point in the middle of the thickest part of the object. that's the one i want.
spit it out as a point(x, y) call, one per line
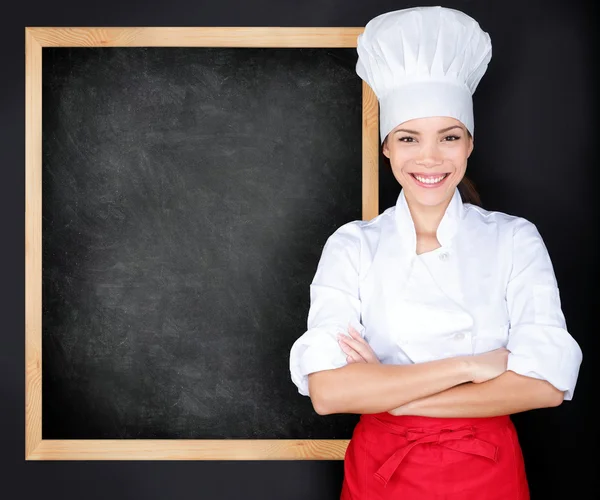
point(488, 365)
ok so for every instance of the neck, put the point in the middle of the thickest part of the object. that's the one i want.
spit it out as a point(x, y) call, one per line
point(427, 218)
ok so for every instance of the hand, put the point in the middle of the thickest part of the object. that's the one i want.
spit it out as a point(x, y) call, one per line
point(356, 348)
point(488, 365)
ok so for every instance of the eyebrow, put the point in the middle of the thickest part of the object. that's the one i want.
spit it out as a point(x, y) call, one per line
point(415, 132)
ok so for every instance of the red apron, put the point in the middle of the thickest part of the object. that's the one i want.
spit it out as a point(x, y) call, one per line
point(425, 458)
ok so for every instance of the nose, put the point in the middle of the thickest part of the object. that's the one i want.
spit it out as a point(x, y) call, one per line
point(429, 156)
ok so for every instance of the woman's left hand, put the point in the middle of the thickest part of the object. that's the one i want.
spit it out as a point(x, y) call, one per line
point(356, 348)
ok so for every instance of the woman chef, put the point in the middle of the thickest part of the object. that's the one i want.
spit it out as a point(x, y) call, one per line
point(436, 319)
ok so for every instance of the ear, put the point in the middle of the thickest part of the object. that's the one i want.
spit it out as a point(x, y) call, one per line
point(385, 149)
point(471, 146)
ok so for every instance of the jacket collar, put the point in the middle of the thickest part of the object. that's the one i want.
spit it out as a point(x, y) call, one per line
point(446, 229)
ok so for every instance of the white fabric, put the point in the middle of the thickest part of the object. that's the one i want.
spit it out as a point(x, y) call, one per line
point(423, 61)
point(490, 284)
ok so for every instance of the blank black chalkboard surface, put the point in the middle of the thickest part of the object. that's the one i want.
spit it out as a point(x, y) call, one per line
point(178, 199)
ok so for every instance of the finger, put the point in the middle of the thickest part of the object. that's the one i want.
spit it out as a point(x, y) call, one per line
point(355, 356)
point(367, 352)
point(352, 354)
point(355, 334)
point(364, 350)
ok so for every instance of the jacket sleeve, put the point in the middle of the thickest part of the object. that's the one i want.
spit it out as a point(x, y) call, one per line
point(540, 345)
point(334, 304)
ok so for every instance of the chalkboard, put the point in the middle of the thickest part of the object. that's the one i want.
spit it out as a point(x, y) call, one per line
point(187, 193)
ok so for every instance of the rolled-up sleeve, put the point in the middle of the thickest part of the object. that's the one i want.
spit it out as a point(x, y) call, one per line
point(540, 345)
point(334, 304)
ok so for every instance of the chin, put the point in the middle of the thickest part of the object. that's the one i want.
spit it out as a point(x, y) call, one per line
point(429, 197)
point(431, 200)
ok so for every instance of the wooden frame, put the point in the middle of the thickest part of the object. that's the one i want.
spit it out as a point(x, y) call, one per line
point(37, 448)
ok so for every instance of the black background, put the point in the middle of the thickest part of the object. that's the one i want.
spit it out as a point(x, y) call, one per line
point(534, 115)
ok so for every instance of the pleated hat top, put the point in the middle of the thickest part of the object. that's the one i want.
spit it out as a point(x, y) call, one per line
point(423, 61)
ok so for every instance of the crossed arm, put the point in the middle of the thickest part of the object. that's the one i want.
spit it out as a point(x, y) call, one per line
point(504, 395)
point(441, 388)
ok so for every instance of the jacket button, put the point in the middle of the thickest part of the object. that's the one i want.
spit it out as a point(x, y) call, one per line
point(444, 256)
point(459, 336)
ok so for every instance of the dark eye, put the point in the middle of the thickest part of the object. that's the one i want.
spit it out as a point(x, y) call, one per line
point(452, 138)
point(406, 138)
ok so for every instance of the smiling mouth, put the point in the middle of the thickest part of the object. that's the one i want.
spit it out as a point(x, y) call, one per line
point(429, 180)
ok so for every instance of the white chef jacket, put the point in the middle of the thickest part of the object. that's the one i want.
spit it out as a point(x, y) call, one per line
point(491, 284)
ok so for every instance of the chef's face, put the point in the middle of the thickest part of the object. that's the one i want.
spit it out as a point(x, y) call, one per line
point(428, 157)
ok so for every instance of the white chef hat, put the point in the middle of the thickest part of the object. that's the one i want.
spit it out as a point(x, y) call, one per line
point(423, 61)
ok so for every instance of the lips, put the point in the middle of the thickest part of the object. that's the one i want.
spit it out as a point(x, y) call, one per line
point(429, 180)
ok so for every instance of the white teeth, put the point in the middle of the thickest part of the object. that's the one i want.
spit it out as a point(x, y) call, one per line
point(430, 180)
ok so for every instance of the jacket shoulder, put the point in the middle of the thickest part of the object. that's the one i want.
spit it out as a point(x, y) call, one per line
point(477, 216)
point(363, 229)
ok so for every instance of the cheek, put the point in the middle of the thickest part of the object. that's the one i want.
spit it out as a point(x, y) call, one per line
point(399, 158)
point(459, 159)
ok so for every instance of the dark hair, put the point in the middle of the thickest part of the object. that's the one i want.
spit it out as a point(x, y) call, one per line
point(466, 187)
point(468, 192)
